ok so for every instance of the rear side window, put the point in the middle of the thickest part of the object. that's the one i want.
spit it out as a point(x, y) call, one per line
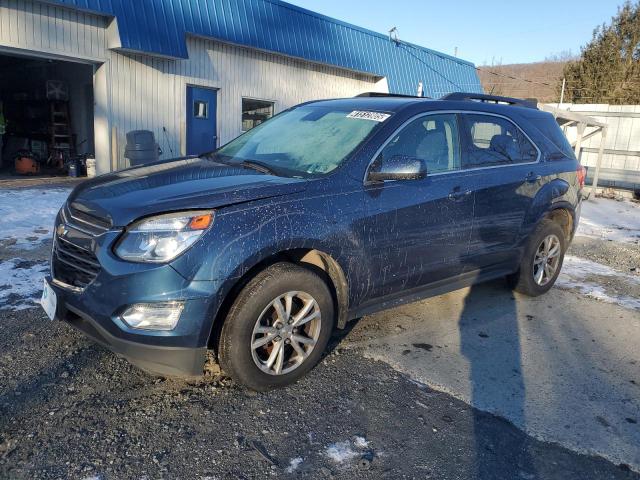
point(550, 129)
point(495, 141)
point(432, 138)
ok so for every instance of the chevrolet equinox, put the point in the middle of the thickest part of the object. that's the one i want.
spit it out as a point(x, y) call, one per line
point(327, 212)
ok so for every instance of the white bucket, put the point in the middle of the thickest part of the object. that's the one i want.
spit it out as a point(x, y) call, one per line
point(91, 167)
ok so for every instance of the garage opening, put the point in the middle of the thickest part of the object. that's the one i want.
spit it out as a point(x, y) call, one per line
point(46, 117)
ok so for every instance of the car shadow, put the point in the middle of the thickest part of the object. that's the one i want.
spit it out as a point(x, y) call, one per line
point(491, 345)
point(495, 364)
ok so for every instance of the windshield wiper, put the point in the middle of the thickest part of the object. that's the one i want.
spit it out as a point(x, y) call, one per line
point(258, 166)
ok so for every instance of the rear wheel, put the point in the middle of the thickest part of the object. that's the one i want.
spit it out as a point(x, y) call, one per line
point(542, 260)
point(278, 327)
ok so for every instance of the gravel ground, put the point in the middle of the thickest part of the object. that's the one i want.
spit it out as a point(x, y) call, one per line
point(621, 256)
point(70, 409)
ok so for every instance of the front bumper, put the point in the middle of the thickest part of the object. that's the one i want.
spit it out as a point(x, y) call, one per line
point(93, 303)
point(179, 352)
point(157, 360)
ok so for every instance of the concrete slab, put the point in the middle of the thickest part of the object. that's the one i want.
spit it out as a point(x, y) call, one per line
point(563, 367)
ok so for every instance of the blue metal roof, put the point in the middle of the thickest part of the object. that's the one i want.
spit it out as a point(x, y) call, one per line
point(160, 27)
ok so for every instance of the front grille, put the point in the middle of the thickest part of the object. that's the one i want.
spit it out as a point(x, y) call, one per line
point(73, 265)
point(85, 222)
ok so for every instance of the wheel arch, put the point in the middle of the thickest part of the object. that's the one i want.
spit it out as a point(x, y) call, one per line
point(552, 201)
point(316, 260)
point(564, 215)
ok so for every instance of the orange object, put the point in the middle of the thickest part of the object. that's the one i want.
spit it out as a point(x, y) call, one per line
point(201, 222)
point(27, 166)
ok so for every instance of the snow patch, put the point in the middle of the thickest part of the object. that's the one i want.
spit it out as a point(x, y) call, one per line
point(610, 220)
point(27, 216)
point(294, 463)
point(360, 442)
point(20, 283)
point(341, 452)
point(577, 274)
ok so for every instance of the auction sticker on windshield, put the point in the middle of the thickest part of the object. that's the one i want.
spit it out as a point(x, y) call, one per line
point(49, 301)
point(373, 116)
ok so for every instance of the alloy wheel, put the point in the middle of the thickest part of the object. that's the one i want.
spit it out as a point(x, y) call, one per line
point(286, 333)
point(547, 260)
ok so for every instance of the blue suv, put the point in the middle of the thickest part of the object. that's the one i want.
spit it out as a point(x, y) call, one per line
point(329, 211)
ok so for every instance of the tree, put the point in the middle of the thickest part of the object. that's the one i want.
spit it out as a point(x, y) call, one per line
point(608, 70)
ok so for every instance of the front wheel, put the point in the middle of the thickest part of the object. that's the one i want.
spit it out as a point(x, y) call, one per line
point(278, 327)
point(542, 260)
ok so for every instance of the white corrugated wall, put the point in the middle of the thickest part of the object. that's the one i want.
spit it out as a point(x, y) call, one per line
point(49, 29)
point(136, 91)
point(623, 135)
point(150, 93)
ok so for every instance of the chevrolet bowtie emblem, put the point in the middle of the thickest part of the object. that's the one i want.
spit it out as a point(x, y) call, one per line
point(62, 230)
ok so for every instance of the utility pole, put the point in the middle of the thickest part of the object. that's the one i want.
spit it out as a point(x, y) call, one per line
point(564, 83)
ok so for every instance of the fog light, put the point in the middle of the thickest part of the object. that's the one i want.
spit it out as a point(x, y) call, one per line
point(153, 316)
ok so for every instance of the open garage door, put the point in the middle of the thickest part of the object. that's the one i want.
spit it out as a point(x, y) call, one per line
point(47, 120)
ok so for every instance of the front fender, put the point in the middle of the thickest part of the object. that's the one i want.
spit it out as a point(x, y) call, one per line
point(242, 239)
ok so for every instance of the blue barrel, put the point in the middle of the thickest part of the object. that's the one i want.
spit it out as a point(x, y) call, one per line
point(73, 168)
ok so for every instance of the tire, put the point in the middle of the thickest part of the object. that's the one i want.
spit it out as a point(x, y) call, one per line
point(254, 318)
point(528, 280)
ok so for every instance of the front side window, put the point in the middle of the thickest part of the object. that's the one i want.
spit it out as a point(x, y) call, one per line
point(254, 112)
point(495, 141)
point(432, 138)
point(305, 141)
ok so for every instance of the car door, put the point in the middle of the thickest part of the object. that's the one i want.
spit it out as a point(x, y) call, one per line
point(418, 230)
point(503, 161)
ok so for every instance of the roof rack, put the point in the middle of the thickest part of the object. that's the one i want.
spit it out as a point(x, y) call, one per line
point(479, 97)
point(381, 95)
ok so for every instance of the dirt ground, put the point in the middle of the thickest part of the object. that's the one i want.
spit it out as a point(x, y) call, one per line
point(475, 384)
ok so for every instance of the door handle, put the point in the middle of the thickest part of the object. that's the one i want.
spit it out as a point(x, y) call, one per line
point(533, 177)
point(458, 194)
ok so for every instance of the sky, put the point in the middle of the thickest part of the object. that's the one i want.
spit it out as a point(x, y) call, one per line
point(485, 32)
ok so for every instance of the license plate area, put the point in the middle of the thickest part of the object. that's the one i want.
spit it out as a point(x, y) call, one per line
point(49, 301)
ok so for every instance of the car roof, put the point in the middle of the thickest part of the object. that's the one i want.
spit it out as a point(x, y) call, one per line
point(396, 104)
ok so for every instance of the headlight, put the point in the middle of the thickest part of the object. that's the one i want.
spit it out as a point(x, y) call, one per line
point(161, 239)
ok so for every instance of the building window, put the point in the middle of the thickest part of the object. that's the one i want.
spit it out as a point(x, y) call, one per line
point(200, 109)
point(254, 112)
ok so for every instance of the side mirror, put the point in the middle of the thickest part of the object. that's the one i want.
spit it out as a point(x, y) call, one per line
point(398, 167)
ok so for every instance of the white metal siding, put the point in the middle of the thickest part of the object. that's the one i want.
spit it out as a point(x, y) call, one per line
point(48, 29)
point(150, 93)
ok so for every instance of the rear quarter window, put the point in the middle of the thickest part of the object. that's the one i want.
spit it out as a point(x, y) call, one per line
point(550, 129)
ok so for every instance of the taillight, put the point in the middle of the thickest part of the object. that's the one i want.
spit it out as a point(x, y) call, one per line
point(582, 175)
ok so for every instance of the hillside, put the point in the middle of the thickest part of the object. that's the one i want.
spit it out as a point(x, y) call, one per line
point(543, 79)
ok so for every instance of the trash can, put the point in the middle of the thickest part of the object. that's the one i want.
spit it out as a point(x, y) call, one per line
point(141, 148)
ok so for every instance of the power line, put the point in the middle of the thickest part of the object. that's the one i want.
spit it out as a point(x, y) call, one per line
point(513, 78)
point(402, 44)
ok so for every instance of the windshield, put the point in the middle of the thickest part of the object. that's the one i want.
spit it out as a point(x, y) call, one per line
point(306, 141)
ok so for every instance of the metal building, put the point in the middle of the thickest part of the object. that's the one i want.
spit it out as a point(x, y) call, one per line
point(199, 72)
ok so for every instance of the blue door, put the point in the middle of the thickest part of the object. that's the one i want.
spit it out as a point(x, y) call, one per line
point(420, 229)
point(505, 180)
point(201, 120)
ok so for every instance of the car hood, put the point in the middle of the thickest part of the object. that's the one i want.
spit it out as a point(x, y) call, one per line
point(184, 184)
